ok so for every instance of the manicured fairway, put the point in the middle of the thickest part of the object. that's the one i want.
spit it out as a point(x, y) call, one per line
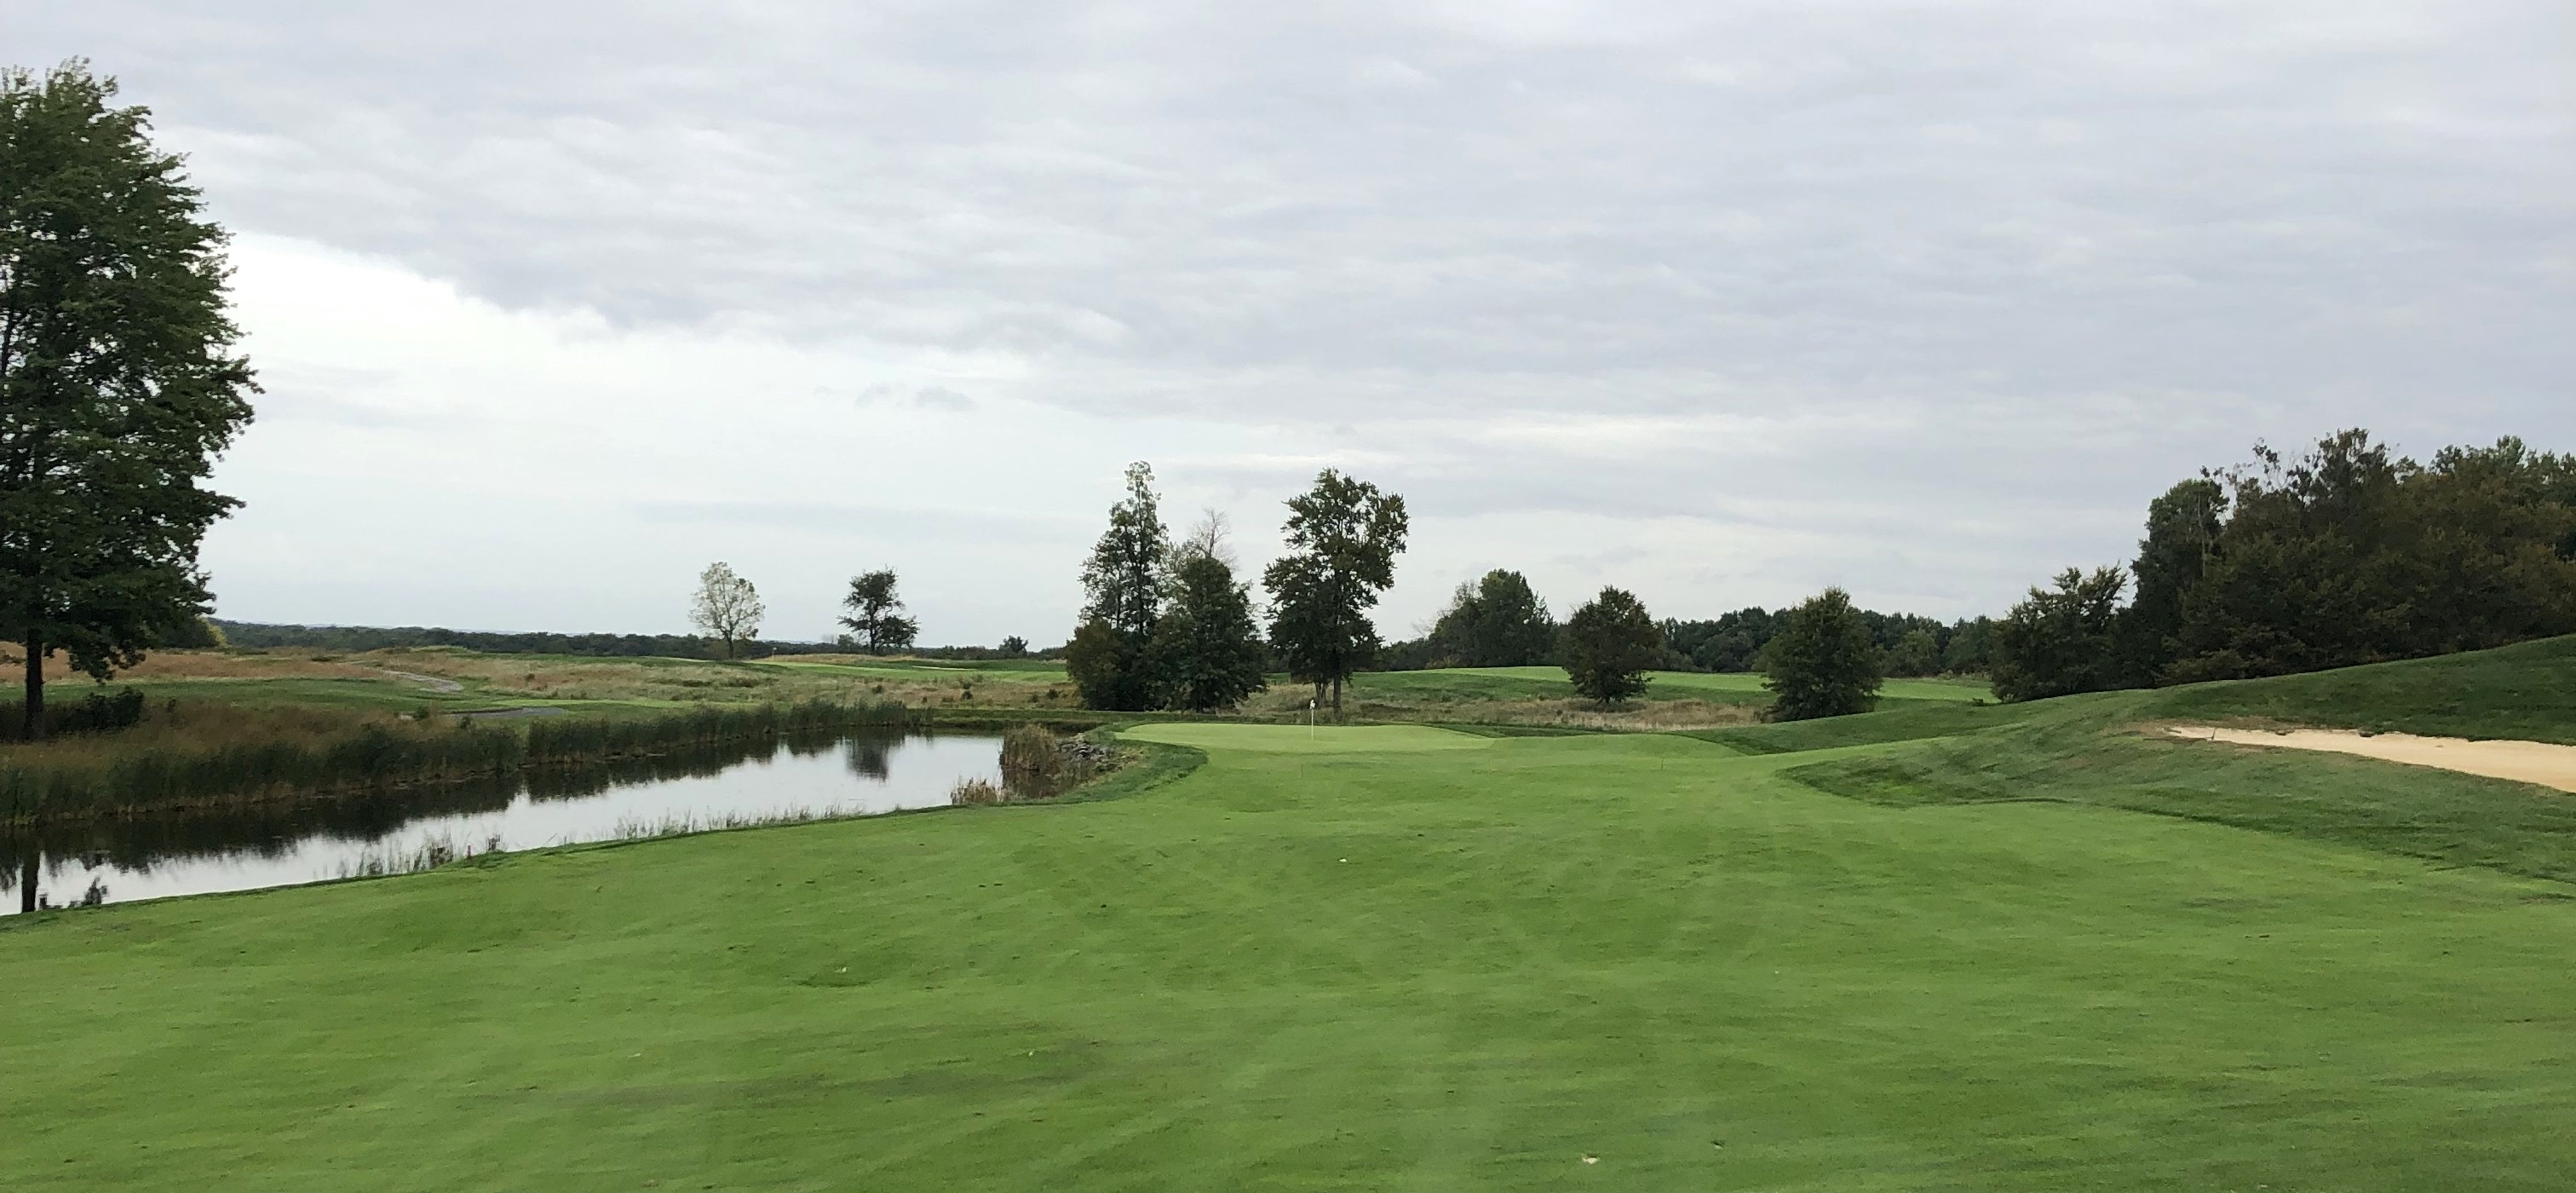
point(1327, 962)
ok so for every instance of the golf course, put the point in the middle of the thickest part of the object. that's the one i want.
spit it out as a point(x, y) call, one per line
point(1943, 946)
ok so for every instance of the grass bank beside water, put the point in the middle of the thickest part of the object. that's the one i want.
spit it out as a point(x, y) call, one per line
point(212, 754)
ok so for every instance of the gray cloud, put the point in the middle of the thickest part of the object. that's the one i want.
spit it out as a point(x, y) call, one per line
point(1955, 287)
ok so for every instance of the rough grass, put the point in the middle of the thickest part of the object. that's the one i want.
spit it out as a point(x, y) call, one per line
point(1390, 958)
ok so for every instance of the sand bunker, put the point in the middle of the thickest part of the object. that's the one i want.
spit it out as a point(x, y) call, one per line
point(2520, 761)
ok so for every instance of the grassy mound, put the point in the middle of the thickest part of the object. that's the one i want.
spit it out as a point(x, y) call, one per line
point(2105, 750)
point(1451, 962)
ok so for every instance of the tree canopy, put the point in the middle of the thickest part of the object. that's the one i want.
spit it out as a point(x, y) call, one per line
point(2345, 554)
point(1610, 642)
point(1342, 539)
point(1110, 659)
point(118, 385)
point(875, 618)
point(1206, 648)
point(1823, 664)
point(726, 607)
point(1496, 621)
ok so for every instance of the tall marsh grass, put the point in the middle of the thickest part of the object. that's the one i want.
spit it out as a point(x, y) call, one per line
point(205, 755)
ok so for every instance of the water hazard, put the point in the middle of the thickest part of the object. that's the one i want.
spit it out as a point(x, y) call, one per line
point(285, 844)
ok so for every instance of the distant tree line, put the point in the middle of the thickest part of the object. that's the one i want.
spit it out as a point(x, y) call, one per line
point(2346, 554)
point(1497, 621)
point(353, 639)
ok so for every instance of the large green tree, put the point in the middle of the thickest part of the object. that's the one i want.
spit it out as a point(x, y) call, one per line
point(118, 383)
point(1496, 621)
point(2064, 640)
point(1823, 663)
point(1110, 659)
point(1342, 537)
point(1609, 644)
point(1206, 647)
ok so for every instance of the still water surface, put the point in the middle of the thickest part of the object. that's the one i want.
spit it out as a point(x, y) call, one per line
point(289, 844)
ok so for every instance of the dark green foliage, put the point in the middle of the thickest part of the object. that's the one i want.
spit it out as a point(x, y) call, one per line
point(1609, 644)
point(1111, 659)
point(117, 383)
point(97, 712)
point(1916, 654)
point(1014, 647)
point(875, 617)
point(1111, 670)
point(2348, 554)
point(2182, 538)
point(1342, 539)
point(1732, 642)
point(1122, 582)
point(1207, 650)
point(1823, 664)
point(1909, 644)
point(2351, 555)
point(2062, 641)
point(1497, 621)
point(1968, 647)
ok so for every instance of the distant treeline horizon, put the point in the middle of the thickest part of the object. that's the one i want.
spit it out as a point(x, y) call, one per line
point(678, 646)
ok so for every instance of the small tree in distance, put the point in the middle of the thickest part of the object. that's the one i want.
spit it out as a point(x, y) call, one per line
point(726, 606)
point(1015, 647)
point(1609, 644)
point(1823, 664)
point(876, 618)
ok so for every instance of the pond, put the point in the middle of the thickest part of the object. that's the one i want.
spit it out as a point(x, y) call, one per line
point(290, 843)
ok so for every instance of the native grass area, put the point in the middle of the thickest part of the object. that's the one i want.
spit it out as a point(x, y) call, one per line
point(1943, 946)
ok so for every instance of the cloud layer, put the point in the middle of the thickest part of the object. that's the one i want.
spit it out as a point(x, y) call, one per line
point(1718, 302)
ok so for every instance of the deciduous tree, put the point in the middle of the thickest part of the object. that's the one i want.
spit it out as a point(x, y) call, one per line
point(1823, 663)
point(118, 383)
point(1206, 647)
point(1497, 621)
point(1342, 538)
point(726, 606)
point(1609, 644)
point(875, 615)
point(2062, 641)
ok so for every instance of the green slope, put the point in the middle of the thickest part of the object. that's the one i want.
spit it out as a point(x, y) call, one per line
point(2106, 749)
point(1348, 959)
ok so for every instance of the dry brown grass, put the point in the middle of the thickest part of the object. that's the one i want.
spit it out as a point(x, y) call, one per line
point(205, 664)
point(193, 726)
point(629, 679)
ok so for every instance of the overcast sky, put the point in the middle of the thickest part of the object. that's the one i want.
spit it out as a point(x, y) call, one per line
point(1722, 303)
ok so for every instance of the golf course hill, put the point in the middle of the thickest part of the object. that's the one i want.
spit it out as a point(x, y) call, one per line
point(1946, 946)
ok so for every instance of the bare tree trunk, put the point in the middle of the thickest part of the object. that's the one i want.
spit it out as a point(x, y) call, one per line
point(1337, 699)
point(34, 727)
point(27, 880)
